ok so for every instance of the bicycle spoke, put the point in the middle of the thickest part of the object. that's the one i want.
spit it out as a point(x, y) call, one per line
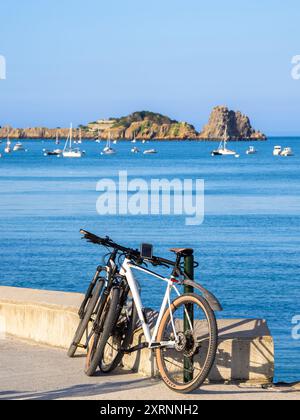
point(182, 367)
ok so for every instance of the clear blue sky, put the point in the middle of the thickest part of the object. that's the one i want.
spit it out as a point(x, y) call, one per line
point(83, 60)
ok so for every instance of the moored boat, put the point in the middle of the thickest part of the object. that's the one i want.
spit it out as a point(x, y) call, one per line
point(56, 152)
point(277, 151)
point(108, 150)
point(150, 152)
point(8, 146)
point(287, 152)
point(19, 147)
point(251, 151)
point(69, 151)
point(222, 149)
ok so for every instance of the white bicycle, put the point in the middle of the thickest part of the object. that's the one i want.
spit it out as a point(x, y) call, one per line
point(184, 334)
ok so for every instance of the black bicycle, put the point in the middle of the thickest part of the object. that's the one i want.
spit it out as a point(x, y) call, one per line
point(96, 294)
point(107, 289)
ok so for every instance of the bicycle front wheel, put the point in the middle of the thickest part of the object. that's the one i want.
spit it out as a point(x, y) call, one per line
point(192, 326)
point(120, 337)
point(99, 338)
point(89, 311)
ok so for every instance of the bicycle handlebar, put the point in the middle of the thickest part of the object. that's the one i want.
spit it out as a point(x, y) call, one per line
point(90, 237)
point(156, 261)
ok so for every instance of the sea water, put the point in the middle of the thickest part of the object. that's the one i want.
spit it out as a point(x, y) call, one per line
point(248, 247)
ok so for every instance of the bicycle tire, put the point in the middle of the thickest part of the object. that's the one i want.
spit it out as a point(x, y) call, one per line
point(98, 340)
point(212, 347)
point(120, 343)
point(87, 317)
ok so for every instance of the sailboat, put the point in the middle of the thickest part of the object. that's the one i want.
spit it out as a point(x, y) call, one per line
point(80, 137)
point(108, 150)
point(55, 152)
point(68, 151)
point(134, 138)
point(7, 147)
point(98, 139)
point(222, 149)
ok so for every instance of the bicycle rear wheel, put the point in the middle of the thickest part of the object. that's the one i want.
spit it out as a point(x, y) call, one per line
point(89, 310)
point(192, 324)
point(102, 332)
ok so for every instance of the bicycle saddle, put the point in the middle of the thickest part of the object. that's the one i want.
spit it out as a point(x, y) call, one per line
point(185, 252)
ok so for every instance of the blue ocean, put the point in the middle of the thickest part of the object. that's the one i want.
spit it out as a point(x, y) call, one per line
point(248, 246)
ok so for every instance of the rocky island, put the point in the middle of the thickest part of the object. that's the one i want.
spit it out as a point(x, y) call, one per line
point(147, 125)
point(231, 124)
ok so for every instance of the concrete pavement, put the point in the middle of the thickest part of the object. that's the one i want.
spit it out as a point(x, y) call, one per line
point(36, 372)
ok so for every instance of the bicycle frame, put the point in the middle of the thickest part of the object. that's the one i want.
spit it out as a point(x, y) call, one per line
point(127, 271)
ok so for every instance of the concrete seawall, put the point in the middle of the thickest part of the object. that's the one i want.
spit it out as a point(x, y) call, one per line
point(245, 353)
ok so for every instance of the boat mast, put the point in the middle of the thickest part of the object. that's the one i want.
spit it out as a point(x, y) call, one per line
point(225, 138)
point(71, 134)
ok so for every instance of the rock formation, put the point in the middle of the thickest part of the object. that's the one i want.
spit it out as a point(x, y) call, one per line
point(41, 133)
point(234, 125)
point(148, 125)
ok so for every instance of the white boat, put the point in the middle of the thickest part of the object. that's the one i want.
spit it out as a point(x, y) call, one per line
point(287, 152)
point(251, 150)
point(7, 147)
point(69, 151)
point(19, 147)
point(277, 151)
point(134, 139)
point(57, 139)
point(150, 152)
point(135, 150)
point(222, 149)
point(108, 150)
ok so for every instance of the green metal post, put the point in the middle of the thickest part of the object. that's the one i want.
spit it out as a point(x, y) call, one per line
point(189, 271)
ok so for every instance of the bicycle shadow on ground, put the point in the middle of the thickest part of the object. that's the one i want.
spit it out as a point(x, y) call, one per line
point(78, 391)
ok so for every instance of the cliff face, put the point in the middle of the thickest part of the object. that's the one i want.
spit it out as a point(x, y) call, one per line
point(41, 133)
point(235, 125)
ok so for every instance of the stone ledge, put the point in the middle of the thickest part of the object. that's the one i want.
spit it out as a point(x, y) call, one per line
point(245, 352)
